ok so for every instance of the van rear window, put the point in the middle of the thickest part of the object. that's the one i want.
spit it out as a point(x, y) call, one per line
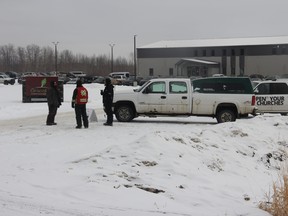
point(272, 88)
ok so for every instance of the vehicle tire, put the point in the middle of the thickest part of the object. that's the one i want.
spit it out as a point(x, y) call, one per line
point(284, 114)
point(6, 82)
point(225, 115)
point(124, 113)
point(12, 82)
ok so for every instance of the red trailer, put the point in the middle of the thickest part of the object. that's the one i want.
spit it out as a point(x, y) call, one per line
point(34, 88)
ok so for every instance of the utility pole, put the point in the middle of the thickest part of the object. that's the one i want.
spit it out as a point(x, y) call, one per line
point(56, 53)
point(135, 58)
point(112, 45)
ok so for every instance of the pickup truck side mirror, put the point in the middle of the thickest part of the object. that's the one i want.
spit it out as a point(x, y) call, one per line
point(197, 90)
point(256, 91)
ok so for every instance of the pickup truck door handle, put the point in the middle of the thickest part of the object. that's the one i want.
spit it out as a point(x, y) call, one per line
point(184, 97)
point(163, 97)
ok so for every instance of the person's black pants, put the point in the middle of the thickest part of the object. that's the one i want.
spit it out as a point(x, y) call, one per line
point(81, 114)
point(51, 115)
point(109, 113)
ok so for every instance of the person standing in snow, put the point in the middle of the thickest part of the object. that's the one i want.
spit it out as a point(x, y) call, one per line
point(54, 102)
point(79, 100)
point(108, 95)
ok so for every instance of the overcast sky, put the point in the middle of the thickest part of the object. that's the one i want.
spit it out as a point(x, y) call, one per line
point(89, 26)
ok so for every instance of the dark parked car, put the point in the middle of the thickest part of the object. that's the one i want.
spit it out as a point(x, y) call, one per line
point(130, 81)
point(145, 79)
point(87, 79)
point(12, 74)
point(100, 79)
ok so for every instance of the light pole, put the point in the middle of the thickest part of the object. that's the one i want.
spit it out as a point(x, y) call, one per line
point(135, 57)
point(112, 45)
point(55, 44)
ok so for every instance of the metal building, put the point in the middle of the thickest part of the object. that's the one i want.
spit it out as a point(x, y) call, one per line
point(231, 56)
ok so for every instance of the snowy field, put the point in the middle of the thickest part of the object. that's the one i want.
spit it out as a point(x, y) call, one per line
point(148, 167)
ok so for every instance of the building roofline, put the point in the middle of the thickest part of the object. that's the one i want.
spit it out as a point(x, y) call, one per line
point(220, 42)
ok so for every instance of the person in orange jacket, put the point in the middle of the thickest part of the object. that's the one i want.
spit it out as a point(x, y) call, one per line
point(79, 100)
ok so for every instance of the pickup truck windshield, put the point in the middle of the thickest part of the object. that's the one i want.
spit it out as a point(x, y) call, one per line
point(142, 87)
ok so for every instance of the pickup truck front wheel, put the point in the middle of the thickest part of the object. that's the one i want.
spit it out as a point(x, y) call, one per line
point(225, 116)
point(124, 113)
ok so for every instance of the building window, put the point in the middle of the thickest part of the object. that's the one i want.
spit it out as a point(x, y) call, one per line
point(170, 71)
point(151, 72)
point(213, 52)
point(274, 50)
point(204, 52)
point(224, 53)
point(283, 50)
point(242, 62)
point(195, 52)
point(233, 62)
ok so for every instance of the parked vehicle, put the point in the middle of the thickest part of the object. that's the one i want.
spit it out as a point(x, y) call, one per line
point(87, 79)
point(76, 74)
point(125, 75)
point(118, 79)
point(12, 74)
point(272, 96)
point(100, 80)
point(257, 77)
point(72, 81)
point(21, 79)
point(131, 80)
point(63, 77)
point(6, 79)
point(225, 98)
point(145, 79)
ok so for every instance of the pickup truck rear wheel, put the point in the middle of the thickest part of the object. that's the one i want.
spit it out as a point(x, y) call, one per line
point(124, 113)
point(225, 116)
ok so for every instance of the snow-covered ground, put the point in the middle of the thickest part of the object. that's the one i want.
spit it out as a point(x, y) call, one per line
point(148, 167)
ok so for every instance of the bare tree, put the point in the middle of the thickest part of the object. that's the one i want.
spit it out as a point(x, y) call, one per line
point(37, 59)
point(8, 57)
point(33, 53)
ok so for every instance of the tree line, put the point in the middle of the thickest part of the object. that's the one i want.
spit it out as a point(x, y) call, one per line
point(34, 58)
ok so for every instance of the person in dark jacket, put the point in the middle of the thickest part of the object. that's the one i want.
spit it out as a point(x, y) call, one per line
point(108, 95)
point(54, 102)
point(79, 100)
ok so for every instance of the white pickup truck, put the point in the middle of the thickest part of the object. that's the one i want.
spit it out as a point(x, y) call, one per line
point(225, 98)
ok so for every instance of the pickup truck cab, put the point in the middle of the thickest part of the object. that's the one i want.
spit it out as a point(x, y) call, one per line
point(272, 96)
point(225, 98)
